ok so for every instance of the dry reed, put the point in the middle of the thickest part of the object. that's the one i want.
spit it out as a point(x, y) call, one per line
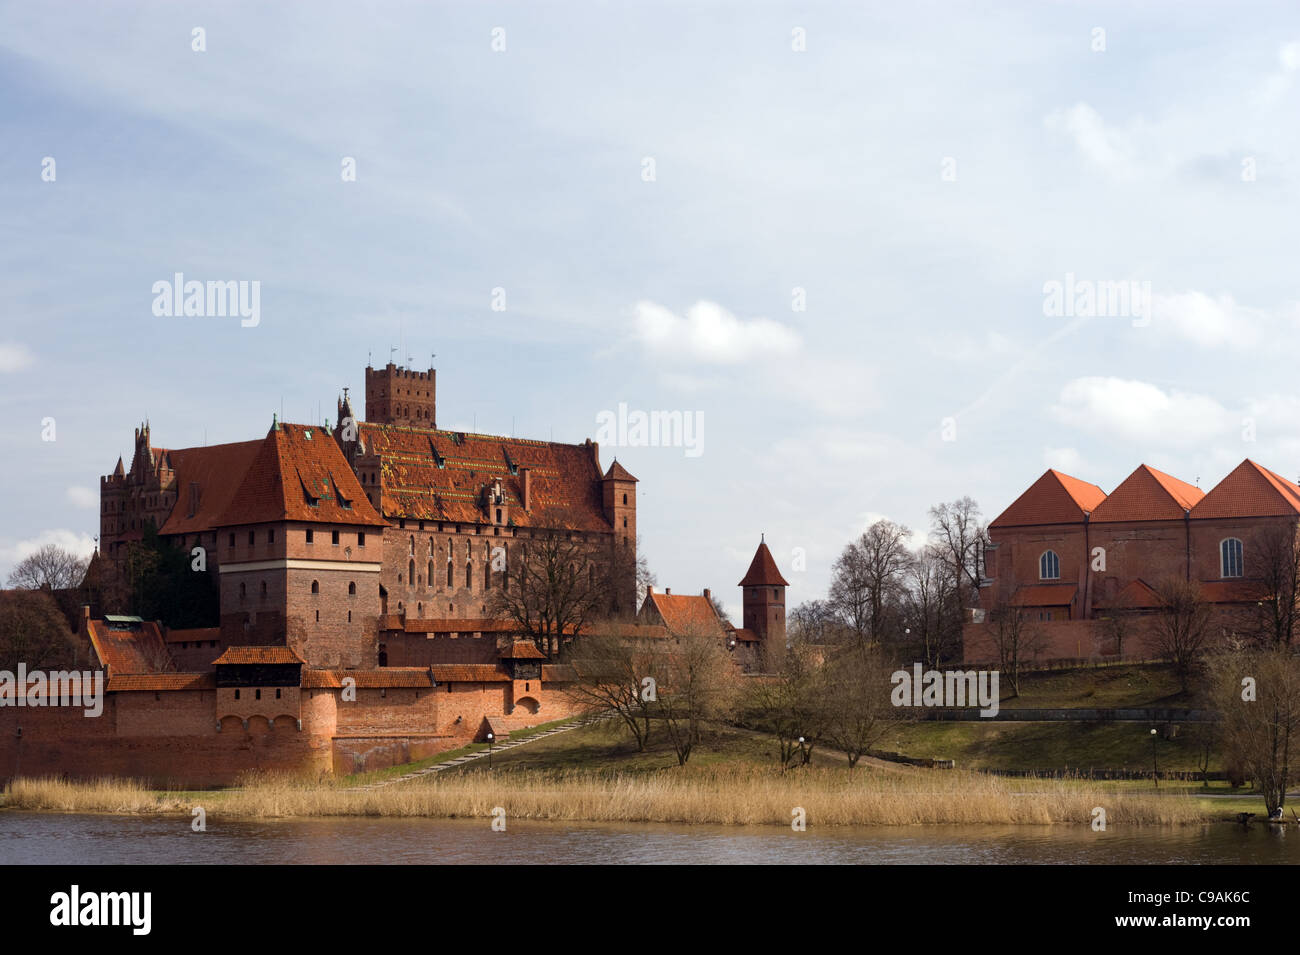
point(720, 796)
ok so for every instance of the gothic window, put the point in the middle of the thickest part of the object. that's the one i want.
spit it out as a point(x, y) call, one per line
point(352, 588)
point(410, 573)
point(1049, 566)
point(1230, 563)
point(315, 586)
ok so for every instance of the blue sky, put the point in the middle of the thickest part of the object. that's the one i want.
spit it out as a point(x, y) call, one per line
point(828, 169)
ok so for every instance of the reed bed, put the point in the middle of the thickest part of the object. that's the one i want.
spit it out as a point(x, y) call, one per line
point(717, 796)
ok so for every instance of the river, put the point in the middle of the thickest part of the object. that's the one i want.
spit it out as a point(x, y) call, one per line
point(27, 838)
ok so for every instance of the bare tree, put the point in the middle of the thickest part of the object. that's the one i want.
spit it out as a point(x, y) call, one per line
point(610, 674)
point(816, 622)
point(959, 529)
point(645, 578)
point(1257, 694)
point(52, 566)
point(790, 705)
point(696, 683)
point(934, 611)
point(1180, 631)
point(857, 698)
point(867, 579)
point(1016, 640)
point(33, 631)
point(552, 590)
point(1275, 563)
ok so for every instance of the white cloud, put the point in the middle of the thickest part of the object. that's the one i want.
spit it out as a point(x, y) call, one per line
point(1068, 460)
point(83, 497)
point(711, 334)
point(1205, 321)
point(11, 552)
point(1103, 145)
point(1140, 412)
point(14, 357)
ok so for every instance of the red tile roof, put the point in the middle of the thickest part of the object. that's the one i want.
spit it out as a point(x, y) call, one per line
point(744, 636)
point(1045, 595)
point(684, 614)
point(617, 472)
point(239, 656)
point(470, 673)
point(523, 650)
point(139, 682)
point(1148, 495)
point(1136, 595)
point(135, 648)
point(441, 476)
point(763, 570)
point(558, 673)
point(1233, 591)
point(299, 473)
point(218, 470)
point(1055, 498)
point(1250, 491)
point(382, 678)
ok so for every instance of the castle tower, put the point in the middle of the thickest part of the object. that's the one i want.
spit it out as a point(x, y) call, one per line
point(763, 605)
point(400, 396)
point(619, 498)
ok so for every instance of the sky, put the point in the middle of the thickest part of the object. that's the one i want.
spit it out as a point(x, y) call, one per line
point(826, 235)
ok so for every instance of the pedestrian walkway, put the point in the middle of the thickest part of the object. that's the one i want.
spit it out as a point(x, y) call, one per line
point(470, 757)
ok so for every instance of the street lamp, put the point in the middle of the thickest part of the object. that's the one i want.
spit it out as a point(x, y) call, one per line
point(802, 757)
point(1155, 770)
point(490, 738)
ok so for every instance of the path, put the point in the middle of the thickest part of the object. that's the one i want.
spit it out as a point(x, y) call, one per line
point(470, 757)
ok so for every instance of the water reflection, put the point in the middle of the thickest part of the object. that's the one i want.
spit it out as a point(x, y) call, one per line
point(27, 838)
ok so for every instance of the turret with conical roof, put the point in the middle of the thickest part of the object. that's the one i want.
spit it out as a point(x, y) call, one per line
point(618, 492)
point(763, 605)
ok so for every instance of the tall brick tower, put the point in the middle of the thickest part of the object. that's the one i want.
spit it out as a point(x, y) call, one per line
point(763, 605)
point(619, 498)
point(396, 395)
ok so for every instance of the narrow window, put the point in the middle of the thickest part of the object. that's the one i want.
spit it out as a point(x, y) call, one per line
point(1230, 558)
point(361, 539)
point(309, 535)
point(352, 588)
point(1049, 566)
point(315, 586)
point(270, 536)
point(335, 536)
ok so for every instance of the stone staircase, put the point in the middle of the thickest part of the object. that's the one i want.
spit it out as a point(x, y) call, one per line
point(481, 754)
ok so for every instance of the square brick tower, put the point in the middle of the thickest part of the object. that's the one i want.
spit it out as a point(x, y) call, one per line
point(400, 396)
point(763, 606)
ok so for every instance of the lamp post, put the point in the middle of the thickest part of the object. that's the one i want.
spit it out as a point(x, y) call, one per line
point(802, 758)
point(1155, 769)
point(490, 738)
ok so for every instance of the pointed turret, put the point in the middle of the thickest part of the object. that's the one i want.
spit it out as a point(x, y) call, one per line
point(763, 605)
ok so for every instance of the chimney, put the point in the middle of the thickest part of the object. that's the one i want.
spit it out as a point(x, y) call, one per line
point(526, 479)
point(668, 591)
point(708, 595)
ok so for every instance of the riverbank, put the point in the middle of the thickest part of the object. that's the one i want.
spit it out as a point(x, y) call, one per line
point(739, 796)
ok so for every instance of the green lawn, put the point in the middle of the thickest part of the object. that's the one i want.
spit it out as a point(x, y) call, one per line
point(1107, 687)
point(1045, 746)
point(609, 746)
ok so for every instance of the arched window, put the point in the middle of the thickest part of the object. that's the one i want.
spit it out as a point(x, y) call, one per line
point(450, 582)
point(410, 573)
point(1049, 566)
point(315, 586)
point(412, 550)
point(243, 591)
point(352, 588)
point(264, 588)
point(469, 574)
point(624, 498)
point(1230, 563)
point(430, 573)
